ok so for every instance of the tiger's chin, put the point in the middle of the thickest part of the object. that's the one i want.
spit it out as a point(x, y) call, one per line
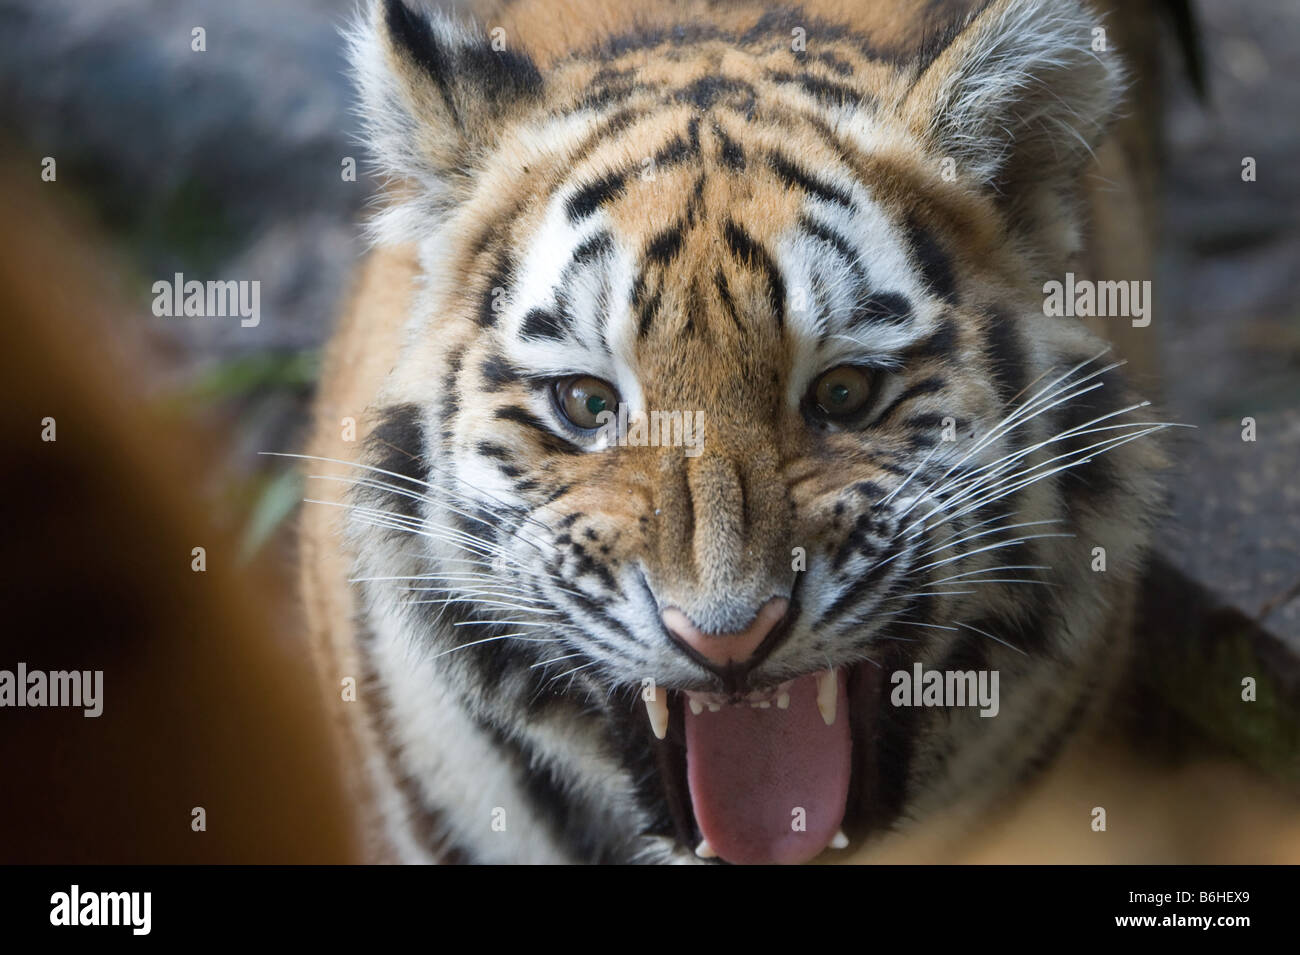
point(776, 776)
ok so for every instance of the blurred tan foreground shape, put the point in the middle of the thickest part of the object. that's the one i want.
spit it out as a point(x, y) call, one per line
point(207, 700)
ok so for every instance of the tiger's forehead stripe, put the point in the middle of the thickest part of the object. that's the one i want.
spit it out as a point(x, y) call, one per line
point(659, 194)
point(671, 111)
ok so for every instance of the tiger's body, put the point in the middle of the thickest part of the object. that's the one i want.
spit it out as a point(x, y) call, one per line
point(732, 211)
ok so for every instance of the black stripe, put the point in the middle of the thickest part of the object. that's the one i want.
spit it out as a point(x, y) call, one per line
point(592, 196)
point(646, 304)
point(1006, 355)
point(694, 306)
point(1100, 477)
point(542, 323)
point(428, 826)
point(827, 92)
point(557, 493)
point(867, 489)
point(927, 421)
point(942, 344)
point(752, 253)
point(880, 308)
point(835, 63)
point(664, 247)
point(926, 386)
point(498, 372)
point(489, 309)
point(1031, 626)
point(563, 812)
point(521, 416)
point(728, 304)
point(450, 392)
point(867, 533)
point(610, 87)
point(675, 151)
point(729, 152)
point(786, 117)
point(396, 444)
point(678, 150)
point(592, 248)
point(708, 90)
point(795, 177)
point(501, 77)
point(647, 313)
point(884, 741)
point(935, 265)
point(483, 665)
point(649, 38)
point(834, 239)
point(549, 439)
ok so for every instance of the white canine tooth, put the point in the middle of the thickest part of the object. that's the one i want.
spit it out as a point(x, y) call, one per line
point(657, 707)
point(839, 840)
point(783, 701)
point(705, 851)
point(696, 706)
point(828, 692)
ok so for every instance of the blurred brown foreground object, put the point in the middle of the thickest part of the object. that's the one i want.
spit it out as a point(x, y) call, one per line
point(205, 703)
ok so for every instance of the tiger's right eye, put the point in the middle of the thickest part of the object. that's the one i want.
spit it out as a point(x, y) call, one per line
point(842, 392)
point(581, 399)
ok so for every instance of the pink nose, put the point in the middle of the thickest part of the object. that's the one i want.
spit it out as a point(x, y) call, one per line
point(723, 648)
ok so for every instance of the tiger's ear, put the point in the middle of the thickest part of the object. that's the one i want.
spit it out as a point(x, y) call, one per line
point(1019, 94)
point(434, 93)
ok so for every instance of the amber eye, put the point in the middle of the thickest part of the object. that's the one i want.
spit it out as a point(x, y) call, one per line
point(582, 398)
point(842, 392)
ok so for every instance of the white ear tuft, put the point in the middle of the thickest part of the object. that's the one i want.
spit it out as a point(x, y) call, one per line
point(433, 93)
point(1022, 93)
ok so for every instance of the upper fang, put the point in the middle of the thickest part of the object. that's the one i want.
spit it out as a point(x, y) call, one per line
point(828, 692)
point(656, 705)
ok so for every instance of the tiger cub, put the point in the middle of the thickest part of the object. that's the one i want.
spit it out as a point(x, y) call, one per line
point(720, 488)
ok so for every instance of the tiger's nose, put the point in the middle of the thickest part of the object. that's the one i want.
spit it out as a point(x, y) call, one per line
point(719, 650)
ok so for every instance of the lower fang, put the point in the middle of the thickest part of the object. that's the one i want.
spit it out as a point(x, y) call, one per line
point(696, 706)
point(657, 708)
point(783, 701)
point(705, 851)
point(828, 691)
point(839, 840)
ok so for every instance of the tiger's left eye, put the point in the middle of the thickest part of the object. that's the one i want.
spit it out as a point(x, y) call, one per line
point(842, 392)
point(582, 398)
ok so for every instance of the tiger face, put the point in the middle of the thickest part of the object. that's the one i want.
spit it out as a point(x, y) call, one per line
point(726, 397)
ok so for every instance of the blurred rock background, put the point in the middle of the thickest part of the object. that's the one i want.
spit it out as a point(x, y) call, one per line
point(226, 164)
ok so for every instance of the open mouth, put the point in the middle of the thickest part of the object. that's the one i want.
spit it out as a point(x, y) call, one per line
point(771, 776)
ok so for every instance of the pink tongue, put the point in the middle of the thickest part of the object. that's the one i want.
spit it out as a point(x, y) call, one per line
point(750, 770)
